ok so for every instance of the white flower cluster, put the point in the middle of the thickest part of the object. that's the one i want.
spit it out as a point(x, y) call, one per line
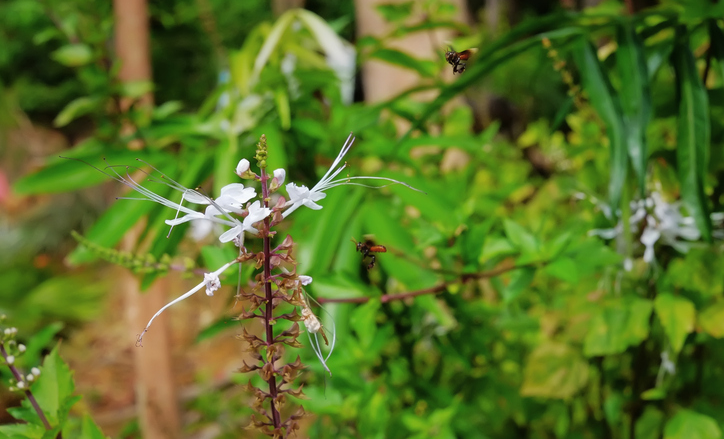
point(662, 222)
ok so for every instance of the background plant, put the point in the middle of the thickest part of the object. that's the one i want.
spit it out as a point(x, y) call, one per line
point(574, 335)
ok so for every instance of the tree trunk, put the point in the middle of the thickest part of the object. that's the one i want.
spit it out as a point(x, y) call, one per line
point(382, 81)
point(156, 401)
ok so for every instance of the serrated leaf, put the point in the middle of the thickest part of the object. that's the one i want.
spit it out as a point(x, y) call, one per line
point(688, 424)
point(692, 134)
point(54, 385)
point(677, 315)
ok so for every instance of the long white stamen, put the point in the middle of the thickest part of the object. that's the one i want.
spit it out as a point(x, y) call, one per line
point(182, 297)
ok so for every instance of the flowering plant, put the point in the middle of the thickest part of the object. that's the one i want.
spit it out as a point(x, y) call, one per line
point(244, 212)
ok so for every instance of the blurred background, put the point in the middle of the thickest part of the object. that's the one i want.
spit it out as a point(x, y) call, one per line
point(560, 278)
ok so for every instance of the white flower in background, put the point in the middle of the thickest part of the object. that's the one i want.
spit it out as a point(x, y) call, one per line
point(303, 196)
point(661, 221)
point(667, 366)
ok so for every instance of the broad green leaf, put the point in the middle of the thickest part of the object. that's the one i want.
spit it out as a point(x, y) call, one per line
point(519, 281)
point(75, 109)
point(90, 430)
point(21, 431)
point(73, 55)
point(564, 268)
point(635, 96)
point(136, 89)
point(692, 134)
point(425, 68)
point(699, 271)
point(617, 326)
point(649, 424)
point(54, 385)
point(395, 11)
point(554, 370)
point(711, 320)
point(364, 321)
point(603, 99)
point(655, 394)
point(521, 238)
point(688, 424)
point(677, 315)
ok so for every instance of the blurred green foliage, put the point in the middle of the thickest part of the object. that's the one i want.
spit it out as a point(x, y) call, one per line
point(541, 328)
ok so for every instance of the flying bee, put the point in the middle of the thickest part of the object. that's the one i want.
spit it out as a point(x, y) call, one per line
point(458, 59)
point(368, 248)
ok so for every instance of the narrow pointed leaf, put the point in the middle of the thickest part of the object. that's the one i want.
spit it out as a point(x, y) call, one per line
point(692, 135)
point(602, 98)
point(635, 98)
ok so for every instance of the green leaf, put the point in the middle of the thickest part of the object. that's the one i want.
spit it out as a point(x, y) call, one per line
point(716, 38)
point(281, 99)
point(425, 68)
point(688, 424)
point(521, 238)
point(21, 431)
point(136, 89)
point(677, 315)
point(649, 424)
point(711, 320)
point(75, 109)
point(554, 370)
point(111, 227)
point(635, 95)
point(692, 134)
point(603, 99)
point(364, 321)
point(395, 11)
point(90, 430)
point(519, 281)
point(73, 55)
point(699, 271)
point(54, 386)
point(563, 268)
point(620, 324)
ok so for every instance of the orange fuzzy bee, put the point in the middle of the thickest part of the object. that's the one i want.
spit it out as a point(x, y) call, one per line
point(367, 248)
point(458, 59)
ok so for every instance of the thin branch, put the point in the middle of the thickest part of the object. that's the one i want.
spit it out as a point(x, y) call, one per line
point(463, 279)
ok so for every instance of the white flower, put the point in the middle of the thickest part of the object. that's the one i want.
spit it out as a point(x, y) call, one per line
point(305, 280)
point(663, 223)
point(303, 196)
point(242, 167)
point(208, 279)
point(212, 283)
point(256, 214)
point(278, 180)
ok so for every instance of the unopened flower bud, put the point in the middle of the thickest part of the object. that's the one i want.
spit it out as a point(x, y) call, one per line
point(35, 371)
point(242, 167)
point(278, 180)
point(21, 348)
point(10, 359)
point(21, 385)
point(30, 377)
